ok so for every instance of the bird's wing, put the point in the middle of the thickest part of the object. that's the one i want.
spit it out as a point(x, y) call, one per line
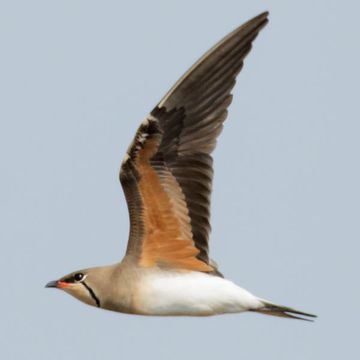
point(167, 172)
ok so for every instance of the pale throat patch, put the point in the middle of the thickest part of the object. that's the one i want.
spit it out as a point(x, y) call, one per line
point(80, 292)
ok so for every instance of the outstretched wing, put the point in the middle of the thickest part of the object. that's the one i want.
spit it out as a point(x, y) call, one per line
point(167, 172)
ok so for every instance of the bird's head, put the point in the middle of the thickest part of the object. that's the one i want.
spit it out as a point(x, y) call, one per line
point(82, 284)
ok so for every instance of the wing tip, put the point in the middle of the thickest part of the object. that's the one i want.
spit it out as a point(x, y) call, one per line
point(261, 19)
point(262, 16)
point(254, 25)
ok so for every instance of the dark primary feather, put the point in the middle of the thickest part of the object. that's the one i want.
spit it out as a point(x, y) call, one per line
point(190, 118)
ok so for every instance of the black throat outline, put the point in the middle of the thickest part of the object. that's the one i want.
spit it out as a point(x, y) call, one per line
point(92, 294)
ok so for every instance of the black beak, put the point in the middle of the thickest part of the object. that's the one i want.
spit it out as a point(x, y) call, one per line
point(52, 284)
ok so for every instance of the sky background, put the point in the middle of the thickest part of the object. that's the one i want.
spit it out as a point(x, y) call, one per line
point(77, 78)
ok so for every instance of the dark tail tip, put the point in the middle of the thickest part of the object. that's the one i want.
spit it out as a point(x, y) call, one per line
point(284, 311)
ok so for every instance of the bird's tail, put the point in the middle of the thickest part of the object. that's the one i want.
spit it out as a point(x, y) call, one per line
point(283, 311)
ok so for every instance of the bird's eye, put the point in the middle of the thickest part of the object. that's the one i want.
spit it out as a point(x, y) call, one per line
point(78, 276)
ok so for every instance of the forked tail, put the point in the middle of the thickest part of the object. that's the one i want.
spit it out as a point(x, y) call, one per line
point(283, 311)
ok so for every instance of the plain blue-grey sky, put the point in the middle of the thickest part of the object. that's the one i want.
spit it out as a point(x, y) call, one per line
point(76, 79)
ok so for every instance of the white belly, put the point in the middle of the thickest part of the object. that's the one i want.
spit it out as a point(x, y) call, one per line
point(193, 294)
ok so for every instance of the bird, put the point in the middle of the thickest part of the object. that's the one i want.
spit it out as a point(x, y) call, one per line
point(166, 175)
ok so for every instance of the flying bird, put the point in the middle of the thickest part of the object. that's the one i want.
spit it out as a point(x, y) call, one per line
point(166, 176)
